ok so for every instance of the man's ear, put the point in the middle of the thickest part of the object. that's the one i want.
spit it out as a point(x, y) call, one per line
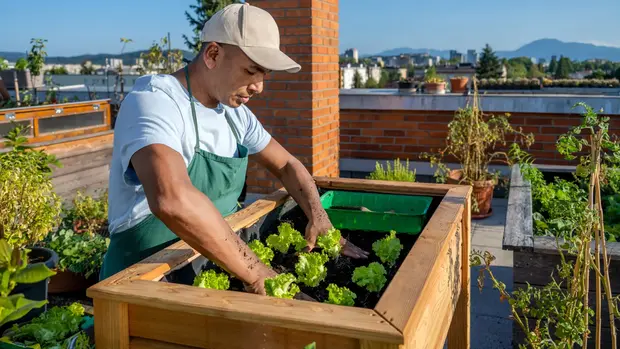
point(210, 55)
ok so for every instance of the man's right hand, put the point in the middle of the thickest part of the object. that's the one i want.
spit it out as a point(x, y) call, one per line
point(258, 286)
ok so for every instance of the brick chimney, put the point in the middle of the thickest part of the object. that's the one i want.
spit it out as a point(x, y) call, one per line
point(301, 110)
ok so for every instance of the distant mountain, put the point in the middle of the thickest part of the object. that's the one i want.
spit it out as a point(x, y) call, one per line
point(128, 57)
point(543, 48)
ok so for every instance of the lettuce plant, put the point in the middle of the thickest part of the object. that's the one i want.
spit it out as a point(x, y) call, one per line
point(211, 279)
point(264, 253)
point(282, 286)
point(388, 249)
point(311, 268)
point(340, 295)
point(330, 242)
point(287, 236)
point(372, 277)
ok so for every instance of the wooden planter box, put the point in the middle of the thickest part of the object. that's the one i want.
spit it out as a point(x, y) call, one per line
point(424, 305)
point(535, 258)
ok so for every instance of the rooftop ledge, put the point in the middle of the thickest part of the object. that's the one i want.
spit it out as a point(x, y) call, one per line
point(392, 99)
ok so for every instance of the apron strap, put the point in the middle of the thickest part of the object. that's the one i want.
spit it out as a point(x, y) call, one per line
point(191, 99)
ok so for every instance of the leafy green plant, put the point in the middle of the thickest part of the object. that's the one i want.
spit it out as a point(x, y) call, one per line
point(287, 235)
point(431, 76)
point(330, 243)
point(78, 253)
point(52, 329)
point(88, 215)
point(397, 172)
point(14, 269)
point(340, 295)
point(372, 277)
point(36, 61)
point(211, 279)
point(388, 249)
point(264, 253)
point(310, 268)
point(282, 286)
point(29, 207)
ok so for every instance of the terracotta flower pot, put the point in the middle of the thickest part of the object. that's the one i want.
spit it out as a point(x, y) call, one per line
point(66, 281)
point(459, 85)
point(482, 193)
point(435, 88)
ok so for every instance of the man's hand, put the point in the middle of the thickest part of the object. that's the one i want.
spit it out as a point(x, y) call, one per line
point(258, 286)
point(348, 249)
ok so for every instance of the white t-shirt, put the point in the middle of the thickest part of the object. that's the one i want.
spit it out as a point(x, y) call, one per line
point(158, 110)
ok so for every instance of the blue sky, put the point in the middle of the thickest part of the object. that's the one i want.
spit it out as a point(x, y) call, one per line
point(78, 26)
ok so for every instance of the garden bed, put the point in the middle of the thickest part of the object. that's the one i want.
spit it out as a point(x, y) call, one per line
point(536, 257)
point(424, 302)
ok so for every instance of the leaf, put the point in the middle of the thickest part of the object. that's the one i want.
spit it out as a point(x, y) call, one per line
point(21, 307)
point(311, 346)
point(5, 252)
point(33, 273)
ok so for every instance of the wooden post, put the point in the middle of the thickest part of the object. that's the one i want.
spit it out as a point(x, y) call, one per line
point(111, 324)
point(459, 334)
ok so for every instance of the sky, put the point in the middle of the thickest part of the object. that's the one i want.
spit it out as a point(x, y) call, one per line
point(74, 27)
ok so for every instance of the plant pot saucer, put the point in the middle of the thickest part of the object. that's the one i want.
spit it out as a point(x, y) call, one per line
point(482, 216)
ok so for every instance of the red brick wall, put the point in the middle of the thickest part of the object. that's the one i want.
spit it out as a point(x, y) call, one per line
point(390, 134)
point(301, 110)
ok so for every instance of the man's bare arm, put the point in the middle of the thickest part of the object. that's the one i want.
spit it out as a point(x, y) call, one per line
point(300, 185)
point(192, 216)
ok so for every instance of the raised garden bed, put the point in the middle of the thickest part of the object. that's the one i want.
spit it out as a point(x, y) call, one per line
point(423, 304)
point(536, 257)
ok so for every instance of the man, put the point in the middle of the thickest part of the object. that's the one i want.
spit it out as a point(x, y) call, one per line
point(179, 165)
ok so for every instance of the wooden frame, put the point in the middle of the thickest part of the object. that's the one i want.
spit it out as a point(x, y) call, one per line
point(535, 258)
point(35, 114)
point(425, 304)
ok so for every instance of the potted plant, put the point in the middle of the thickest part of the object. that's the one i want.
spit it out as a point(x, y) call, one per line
point(433, 83)
point(406, 85)
point(472, 139)
point(458, 84)
point(29, 209)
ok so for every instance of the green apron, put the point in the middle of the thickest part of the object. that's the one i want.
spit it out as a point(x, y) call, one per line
point(219, 178)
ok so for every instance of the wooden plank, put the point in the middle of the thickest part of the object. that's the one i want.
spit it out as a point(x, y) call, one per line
point(80, 162)
point(518, 233)
point(459, 336)
point(81, 180)
point(549, 245)
point(364, 344)
point(537, 268)
point(112, 325)
point(79, 145)
point(389, 187)
point(294, 314)
point(217, 332)
point(142, 343)
point(50, 107)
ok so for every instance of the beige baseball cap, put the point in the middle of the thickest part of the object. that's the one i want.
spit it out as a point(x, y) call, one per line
point(254, 31)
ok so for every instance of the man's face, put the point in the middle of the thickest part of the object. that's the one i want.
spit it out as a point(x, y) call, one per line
point(238, 78)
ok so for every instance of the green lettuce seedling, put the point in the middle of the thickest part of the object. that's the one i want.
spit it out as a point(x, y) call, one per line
point(281, 286)
point(372, 277)
point(330, 242)
point(388, 249)
point(287, 236)
point(340, 295)
point(264, 253)
point(310, 268)
point(211, 279)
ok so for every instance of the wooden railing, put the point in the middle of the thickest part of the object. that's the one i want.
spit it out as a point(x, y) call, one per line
point(58, 121)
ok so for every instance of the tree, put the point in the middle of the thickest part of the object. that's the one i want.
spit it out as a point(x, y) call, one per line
point(357, 80)
point(36, 61)
point(489, 66)
point(553, 66)
point(516, 70)
point(87, 68)
point(385, 78)
point(371, 83)
point(534, 72)
point(60, 70)
point(617, 74)
point(564, 68)
point(154, 60)
point(203, 10)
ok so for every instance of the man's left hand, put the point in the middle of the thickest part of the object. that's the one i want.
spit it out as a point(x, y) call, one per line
point(313, 230)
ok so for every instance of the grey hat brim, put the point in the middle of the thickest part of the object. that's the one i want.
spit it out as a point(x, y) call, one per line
point(272, 59)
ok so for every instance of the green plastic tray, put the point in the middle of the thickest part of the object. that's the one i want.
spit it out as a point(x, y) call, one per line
point(402, 213)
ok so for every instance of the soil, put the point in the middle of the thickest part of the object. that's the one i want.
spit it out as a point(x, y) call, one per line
point(341, 269)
